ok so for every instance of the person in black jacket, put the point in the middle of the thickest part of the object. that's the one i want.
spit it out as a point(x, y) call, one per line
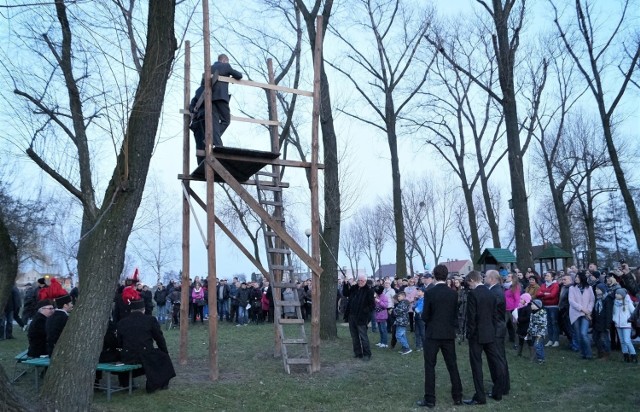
point(57, 321)
point(602, 317)
point(37, 329)
point(136, 336)
point(160, 296)
point(494, 281)
point(440, 315)
point(220, 105)
point(11, 313)
point(361, 304)
point(481, 333)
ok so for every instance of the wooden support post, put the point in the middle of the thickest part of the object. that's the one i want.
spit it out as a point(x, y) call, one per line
point(315, 214)
point(211, 228)
point(186, 216)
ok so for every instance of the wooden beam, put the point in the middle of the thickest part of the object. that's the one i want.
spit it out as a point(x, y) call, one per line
point(256, 207)
point(265, 86)
point(279, 162)
point(243, 119)
point(186, 231)
point(231, 236)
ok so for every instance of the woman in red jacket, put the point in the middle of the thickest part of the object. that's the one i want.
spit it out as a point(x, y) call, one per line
point(549, 294)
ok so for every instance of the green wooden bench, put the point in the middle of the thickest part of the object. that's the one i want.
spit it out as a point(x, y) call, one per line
point(19, 369)
point(107, 368)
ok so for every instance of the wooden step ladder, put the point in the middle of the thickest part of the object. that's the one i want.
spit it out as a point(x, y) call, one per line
point(291, 335)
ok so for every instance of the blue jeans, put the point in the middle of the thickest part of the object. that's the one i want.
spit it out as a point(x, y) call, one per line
point(418, 324)
point(538, 343)
point(581, 329)
point(382, 327)
point(625, 341)
point(223, 309)
point(242, 315)
point(374, 328)
point(553, 330)
point(401, 336)
point(162, 313)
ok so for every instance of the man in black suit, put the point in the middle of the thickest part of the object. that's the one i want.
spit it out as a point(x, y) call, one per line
point(220, 105)
point(136, 335)
point(481, 333)
point(494, 281)
point(361, 304)
point(440, 314)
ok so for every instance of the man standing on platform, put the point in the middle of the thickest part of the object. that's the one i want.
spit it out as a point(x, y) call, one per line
point(440, 315)
point(220, 104)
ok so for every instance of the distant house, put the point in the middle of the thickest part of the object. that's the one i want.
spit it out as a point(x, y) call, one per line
point(458, 267)
point(387, 270)
point(350, 274)
point(31, 276)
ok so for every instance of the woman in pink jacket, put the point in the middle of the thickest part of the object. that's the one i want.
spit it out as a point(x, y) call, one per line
point(512, 293)
point(581, 301)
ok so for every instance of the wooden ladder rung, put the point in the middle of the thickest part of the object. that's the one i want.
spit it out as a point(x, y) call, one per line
point(269, 233)
point(270, 203)
point(298, 341)
point(298, 361)
point(271, 188)
point(282, 267)
point(291, 321)
point(269, 174)
point(276, 250)
point(283, 285)
point(278, 218)
point(287, 303)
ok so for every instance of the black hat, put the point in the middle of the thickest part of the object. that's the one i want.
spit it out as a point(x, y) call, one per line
point(43, 303)
point(136, 304)
point(41, 281)
point(62, 300)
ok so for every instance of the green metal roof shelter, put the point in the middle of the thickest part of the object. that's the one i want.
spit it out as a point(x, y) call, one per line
point(553, 253)
point(495, 256)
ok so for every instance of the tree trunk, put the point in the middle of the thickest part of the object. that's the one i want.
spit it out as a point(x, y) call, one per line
point(505, 53)
point(486, 196)
point(473, 224)
point(101, 250)
point(562, 216)
point(398, 218)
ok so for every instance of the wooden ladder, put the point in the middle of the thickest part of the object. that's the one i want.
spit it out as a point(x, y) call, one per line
point(291, 335)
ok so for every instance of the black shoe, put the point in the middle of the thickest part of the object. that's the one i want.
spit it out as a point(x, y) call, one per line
point(495, 398)
point(457, 402)
point(425, 404)
point(473, 402)
point(366, 358)
point(357, 356)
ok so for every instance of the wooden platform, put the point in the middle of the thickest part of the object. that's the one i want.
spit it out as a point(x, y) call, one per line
point(241, 163)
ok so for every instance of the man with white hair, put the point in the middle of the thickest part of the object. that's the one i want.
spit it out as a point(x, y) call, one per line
point(361, 304)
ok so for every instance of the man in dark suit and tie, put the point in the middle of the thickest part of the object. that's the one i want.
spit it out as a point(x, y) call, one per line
point(440, 314)
point(494, 281)
point(481, 333)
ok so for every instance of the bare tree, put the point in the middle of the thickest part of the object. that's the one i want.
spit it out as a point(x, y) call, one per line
point(352, 245)
point(600, 58)
point(460, 116)
point(395, 71)
point(370, 223)
point(438, 216)
point(153, 238)
point(68, 96)
point(507, 22)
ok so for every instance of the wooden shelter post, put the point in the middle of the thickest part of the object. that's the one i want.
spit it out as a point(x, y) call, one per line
point(186, 216)
point(315, 213)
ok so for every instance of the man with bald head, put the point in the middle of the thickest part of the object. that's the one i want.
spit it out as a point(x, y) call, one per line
point(361, 304)
point(493, 280)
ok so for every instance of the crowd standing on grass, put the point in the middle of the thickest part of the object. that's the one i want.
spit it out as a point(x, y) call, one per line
point(570, 309)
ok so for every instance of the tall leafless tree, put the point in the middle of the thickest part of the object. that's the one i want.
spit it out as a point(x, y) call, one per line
point(507, 21)
point(604, 56)
point(387, 77)
point(67, 96)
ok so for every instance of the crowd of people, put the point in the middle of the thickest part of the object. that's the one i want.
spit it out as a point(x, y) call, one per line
point(488, 310)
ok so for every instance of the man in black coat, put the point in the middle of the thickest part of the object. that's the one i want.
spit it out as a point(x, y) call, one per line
point(220, 105)
point(440, 315)
point(57, 321)
point(11, 313)
point(361, 304)
point(494, 281)
point(481, 333)
point(38, 329)
point(136, 335)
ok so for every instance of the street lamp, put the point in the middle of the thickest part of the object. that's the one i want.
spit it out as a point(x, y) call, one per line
point(308, 233)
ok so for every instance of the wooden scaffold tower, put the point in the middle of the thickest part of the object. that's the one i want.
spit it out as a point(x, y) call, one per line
point(236, 168)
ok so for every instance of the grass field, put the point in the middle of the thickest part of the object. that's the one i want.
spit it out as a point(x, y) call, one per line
point(252, 379)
